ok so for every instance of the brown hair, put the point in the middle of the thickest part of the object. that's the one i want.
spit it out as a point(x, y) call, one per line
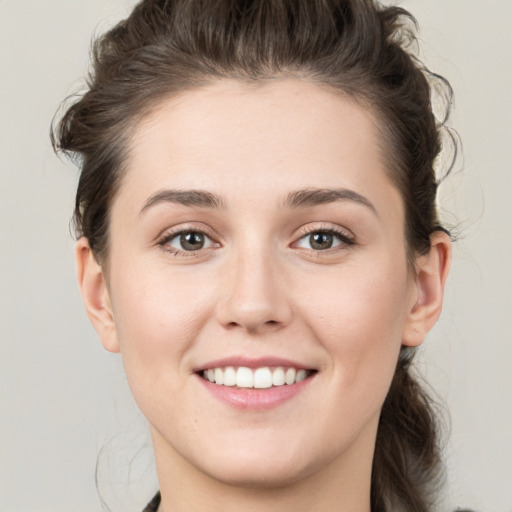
point(357, 48)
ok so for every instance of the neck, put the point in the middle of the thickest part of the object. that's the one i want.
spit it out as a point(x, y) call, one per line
point(341, 486)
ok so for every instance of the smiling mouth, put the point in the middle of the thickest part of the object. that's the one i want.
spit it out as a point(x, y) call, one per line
point(257, 378)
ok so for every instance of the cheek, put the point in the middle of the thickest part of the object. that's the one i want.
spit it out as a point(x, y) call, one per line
point(359, 315)
point(157, 320)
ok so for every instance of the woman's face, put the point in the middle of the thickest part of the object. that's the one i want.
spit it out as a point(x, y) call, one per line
point(256, 228)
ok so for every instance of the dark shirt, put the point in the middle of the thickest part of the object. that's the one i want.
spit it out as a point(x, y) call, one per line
point(152, 506)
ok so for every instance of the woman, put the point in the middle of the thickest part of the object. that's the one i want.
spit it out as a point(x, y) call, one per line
point(258, 237)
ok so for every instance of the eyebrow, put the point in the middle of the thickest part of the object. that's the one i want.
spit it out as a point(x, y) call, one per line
point(299, 198)
point(317, 196)
point(199, 198)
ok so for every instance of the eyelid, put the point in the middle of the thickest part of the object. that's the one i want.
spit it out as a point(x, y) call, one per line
point(170, 234)
point(345, 236)
point(176, 236)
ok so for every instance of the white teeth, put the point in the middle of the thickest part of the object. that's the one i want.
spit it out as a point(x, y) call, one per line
point(262, 378)
point(278, 377)
point(219, 376)
point(259, 378)
point(244, 377)
point(301, 375)
point(229, 376)
point(290, 376)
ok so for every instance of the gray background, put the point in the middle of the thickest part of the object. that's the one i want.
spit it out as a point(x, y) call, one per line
point(63, 400)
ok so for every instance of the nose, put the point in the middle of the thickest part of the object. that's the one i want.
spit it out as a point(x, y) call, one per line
point(254, 294)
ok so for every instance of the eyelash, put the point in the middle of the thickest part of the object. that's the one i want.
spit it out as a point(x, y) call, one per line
point(170, 236)
point(343, 237)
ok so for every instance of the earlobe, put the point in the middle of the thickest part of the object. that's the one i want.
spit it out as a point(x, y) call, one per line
point(93, 287)
point(431, 274)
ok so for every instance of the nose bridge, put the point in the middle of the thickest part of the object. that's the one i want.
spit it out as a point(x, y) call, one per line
point(255, 296)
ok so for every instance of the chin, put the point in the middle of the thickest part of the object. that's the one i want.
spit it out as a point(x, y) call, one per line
point(272, 464)
point(258, 475)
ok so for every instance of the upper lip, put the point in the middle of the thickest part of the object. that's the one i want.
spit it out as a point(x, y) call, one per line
point(252, 362)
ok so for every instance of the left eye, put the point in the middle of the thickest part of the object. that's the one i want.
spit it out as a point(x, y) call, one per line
point(321, 240)
point(189, 241)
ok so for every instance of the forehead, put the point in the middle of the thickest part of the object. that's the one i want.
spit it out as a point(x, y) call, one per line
point(230, 136)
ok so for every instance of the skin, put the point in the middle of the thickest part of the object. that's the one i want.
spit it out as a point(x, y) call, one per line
point(258, 288)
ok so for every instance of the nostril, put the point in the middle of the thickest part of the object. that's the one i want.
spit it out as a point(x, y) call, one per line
point(254, 327)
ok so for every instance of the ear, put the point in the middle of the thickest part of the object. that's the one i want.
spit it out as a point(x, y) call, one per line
point(426, 304)
point(93, 287)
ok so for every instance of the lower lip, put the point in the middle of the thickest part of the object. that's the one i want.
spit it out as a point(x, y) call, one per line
point(255, 399)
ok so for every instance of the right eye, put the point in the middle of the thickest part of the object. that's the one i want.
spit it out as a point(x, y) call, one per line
point(186, 241)
point(320, 240)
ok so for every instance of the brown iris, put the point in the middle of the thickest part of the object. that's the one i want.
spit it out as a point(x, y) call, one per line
point(192, 241)
point(321, 240)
